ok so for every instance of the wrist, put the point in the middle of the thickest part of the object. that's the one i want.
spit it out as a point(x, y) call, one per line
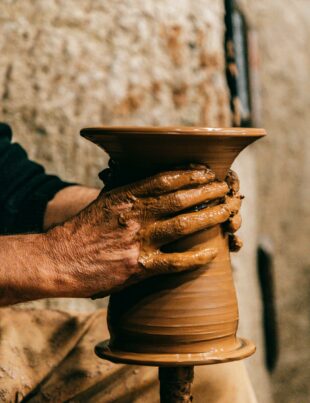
point(61, 261)
point(67, 203)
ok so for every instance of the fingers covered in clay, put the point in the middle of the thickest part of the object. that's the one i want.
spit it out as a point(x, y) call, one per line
point(161, 263)
point(234, 203)
point(234, 223)
point(233, 200)
point(183, 199)
point(170, 181)
point(129, 228)
point(232, 181)
point(235, 243)
point(163, 232)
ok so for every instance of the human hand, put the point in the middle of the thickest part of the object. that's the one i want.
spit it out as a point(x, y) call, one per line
point(117, 240)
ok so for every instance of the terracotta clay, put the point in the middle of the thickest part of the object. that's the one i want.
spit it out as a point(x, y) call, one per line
point(188, 318)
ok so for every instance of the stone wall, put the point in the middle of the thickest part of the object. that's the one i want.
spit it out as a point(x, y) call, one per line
point(70, 64)
point(67, 64)
point(283, 166)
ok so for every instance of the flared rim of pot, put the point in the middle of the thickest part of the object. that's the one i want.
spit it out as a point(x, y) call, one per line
point(176, 130)
point(242, 348)
point(165, 147)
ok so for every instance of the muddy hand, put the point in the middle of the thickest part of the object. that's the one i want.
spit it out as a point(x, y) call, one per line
point(117, 240)
point(152, 205)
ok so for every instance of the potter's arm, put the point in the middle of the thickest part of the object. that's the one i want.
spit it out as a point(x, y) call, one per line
point(114, 242)
point(29, 267)
point(67, 203)
point(111, 243)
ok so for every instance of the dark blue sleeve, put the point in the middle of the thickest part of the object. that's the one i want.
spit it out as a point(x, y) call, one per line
point(25, 188)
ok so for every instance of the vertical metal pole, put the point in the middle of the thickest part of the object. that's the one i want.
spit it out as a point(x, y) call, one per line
point(176, 384)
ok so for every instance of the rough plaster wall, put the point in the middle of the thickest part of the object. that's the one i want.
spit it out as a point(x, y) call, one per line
point(72, 63)
point(68, 64)
point(283, 162)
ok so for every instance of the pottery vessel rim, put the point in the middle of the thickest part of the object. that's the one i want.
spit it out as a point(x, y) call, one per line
point(176, 130)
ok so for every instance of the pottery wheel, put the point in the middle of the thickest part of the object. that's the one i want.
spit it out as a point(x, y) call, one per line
point(242, 349)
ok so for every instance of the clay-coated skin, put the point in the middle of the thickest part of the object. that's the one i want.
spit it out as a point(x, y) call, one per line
point(113, 242)
point(126, 228)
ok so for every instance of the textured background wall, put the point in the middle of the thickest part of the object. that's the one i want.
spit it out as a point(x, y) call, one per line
point(72, 63)
point(283, 28)
point(68, 64)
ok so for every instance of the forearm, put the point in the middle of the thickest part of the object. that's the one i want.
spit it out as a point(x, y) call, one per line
point(67, 203)
point(31, 265)
point(27, 269)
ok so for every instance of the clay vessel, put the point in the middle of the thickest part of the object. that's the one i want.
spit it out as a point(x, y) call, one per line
point(178, 319)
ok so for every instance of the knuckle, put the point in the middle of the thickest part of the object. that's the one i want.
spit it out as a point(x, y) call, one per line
point(162, 182)
point(176, 201)
point(169, 203)
point(179, 226)
point(151, 233)
point(176, 265)
point(224, 211)
point(144, 261)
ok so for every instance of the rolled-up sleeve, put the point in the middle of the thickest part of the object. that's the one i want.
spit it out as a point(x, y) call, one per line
point(25, 188)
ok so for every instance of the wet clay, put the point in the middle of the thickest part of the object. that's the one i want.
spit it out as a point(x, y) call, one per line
point(187, 318)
